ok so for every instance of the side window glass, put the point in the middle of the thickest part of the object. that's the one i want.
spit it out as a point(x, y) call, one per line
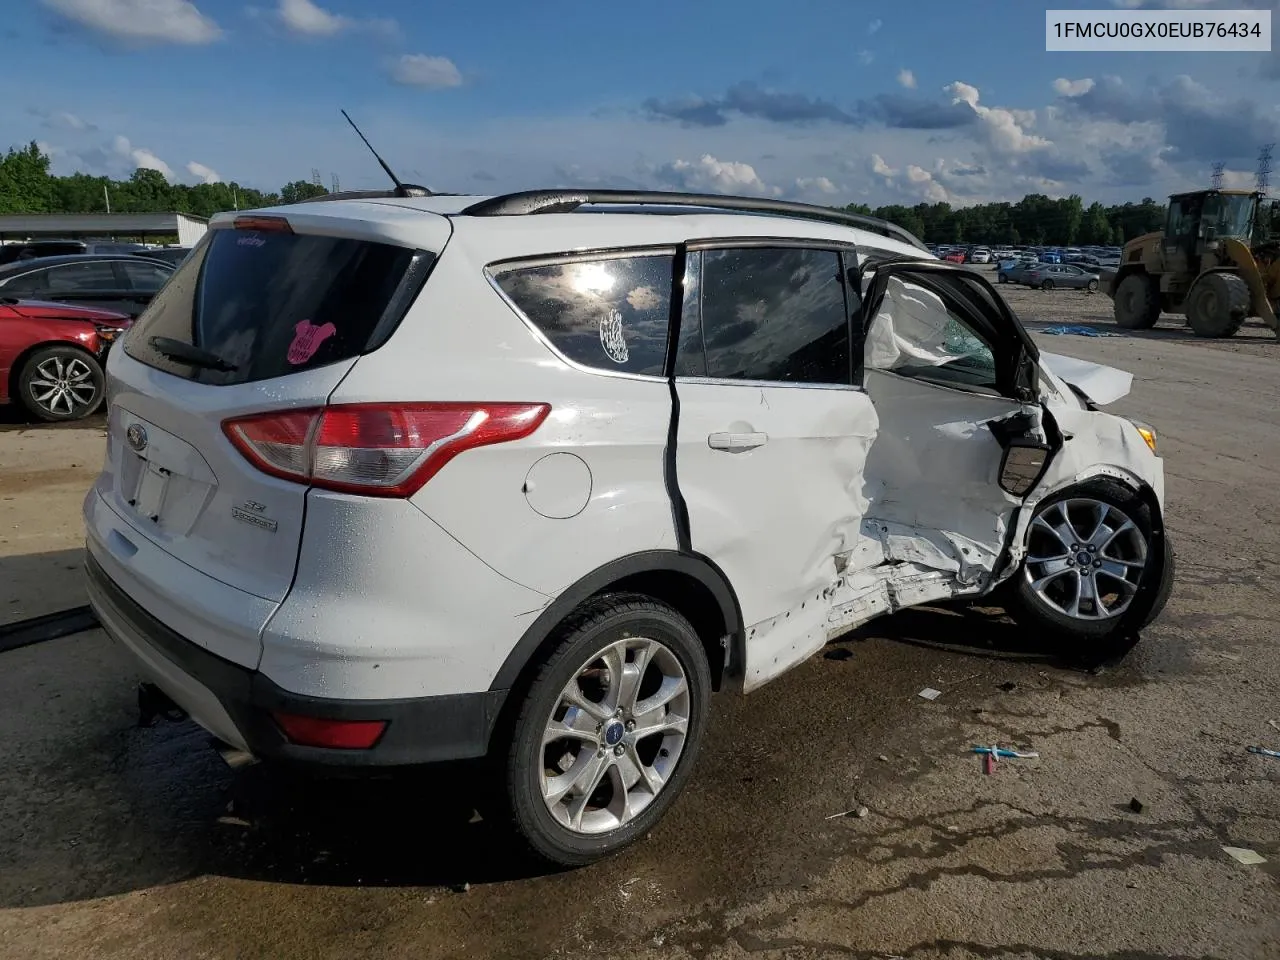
point(82, 277)
point(27, 284)
point(146, 277)
point(609, 313)
point(916, 333)
point(691, 357)
point(775, 314)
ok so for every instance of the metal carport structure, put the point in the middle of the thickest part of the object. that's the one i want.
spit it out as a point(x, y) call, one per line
point(103, 226)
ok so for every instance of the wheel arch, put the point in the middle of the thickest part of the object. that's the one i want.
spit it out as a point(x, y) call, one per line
point(1126, 270)
point(21, 359)
point(691, 583)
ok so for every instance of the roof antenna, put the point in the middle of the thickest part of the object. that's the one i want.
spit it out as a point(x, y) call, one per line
point(402, 189)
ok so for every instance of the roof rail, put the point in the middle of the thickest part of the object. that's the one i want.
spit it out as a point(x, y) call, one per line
point(566, 201)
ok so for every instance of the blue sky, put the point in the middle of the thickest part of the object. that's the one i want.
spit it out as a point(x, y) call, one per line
point(823, 100)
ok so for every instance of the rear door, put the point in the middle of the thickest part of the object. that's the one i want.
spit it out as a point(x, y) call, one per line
point(772, 435)
point(288, 314)
point(90, 283)
point(952, 375)
point(142, 279)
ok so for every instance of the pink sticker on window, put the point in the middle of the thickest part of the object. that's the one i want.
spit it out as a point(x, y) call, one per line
point(307, 338)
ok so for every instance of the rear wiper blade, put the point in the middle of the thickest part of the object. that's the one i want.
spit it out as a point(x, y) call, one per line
point(186, 353)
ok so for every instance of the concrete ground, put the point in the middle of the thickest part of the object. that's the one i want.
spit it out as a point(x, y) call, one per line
point(119, 842)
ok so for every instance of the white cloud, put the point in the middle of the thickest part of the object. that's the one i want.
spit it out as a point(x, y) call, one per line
point(141, 157)
point(141, 21)
point(816, 185)
point(906, 79)
point(202, 173)
point(866, 57)
point(911, 182)
point(425, 71)
point(308, 19)
point(1073, 88)
point(1002, 129)
point(923, 185)
point(874, 26)
point(880, 168)
point(715, 176)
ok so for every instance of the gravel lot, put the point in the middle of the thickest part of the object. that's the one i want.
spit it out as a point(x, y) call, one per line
point(119, 842)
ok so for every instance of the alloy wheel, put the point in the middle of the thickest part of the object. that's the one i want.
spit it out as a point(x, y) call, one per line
point(615, 736)
point(1085, 558)
point(63, 385)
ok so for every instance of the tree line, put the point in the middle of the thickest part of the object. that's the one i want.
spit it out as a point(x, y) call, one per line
point(27, 186)
point(1035, 219)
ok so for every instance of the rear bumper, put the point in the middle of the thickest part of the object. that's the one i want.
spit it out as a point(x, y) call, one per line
point(235, 703)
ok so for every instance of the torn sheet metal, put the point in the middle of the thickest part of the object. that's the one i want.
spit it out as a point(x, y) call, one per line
point(1100, 383)
point(932, 474)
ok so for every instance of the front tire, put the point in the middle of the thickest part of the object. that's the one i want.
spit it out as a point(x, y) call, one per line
point(1091, 555)
point(609, 730)
point(1137, 302)
point(1093, 286)
point(61, 383)
point(1047, 285)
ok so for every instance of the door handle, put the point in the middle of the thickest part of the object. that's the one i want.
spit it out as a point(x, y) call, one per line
point(736, 442)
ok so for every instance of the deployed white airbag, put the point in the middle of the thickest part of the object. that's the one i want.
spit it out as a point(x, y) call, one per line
point(912, 329)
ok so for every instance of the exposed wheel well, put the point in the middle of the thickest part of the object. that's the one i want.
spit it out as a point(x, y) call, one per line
point(21, 359)
point(692, 598)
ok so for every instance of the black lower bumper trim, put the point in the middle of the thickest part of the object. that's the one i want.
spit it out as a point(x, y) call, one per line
point(419, 730)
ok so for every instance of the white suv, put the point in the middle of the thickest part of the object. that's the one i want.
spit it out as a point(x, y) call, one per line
point(399, 479)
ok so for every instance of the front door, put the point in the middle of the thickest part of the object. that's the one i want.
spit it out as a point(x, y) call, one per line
point(951, 374)
point(772, 435)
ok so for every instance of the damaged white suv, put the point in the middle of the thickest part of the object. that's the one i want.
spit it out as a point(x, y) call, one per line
point(396, 478)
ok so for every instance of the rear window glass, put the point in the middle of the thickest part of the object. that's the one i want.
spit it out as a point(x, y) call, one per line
point(610, 314)
point(272, 304)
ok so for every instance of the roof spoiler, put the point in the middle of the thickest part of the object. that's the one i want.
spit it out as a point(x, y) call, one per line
point(566, 201)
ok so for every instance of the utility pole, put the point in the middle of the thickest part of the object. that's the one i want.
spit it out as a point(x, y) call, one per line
point(106, 195)
point(1216, 180)
point(1264, 168)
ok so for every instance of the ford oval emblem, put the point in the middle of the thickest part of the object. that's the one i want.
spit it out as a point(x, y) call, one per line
point(137, 437)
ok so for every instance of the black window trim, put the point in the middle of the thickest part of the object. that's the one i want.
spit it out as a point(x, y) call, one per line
point(498, 267)
point(841, 248)
point(120, 269)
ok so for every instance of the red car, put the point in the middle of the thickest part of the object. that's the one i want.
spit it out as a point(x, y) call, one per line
point(51, 356)
point(956, 256)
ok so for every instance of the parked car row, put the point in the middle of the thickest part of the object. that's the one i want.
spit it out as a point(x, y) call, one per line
point(58, 317)
point(1047, 276)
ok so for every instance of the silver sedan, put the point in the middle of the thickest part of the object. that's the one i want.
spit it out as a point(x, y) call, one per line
point(1046, 276)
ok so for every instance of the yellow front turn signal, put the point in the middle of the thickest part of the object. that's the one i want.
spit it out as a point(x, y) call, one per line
point(1148, 434)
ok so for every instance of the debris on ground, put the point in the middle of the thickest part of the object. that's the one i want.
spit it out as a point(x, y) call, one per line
point(1076, 330)
point(1243, 855)
point(882, 758)
point(462, 888)
point(992, 754)
point(1136, 805)
point(859, 812)
point(1264, 752)
point(1008, 686)
point(929, 693)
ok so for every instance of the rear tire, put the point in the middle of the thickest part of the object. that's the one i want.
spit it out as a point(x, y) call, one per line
point(598, 651)
point(1218, 304)
point(1047, 285)
point(1137, 302)
point(61, 383)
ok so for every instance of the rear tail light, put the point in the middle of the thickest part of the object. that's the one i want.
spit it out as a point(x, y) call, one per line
point(335, 734)
point(263, 224)
point(376, 449)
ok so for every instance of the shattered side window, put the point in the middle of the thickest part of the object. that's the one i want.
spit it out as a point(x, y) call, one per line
point(914, 333)
point(608, 314)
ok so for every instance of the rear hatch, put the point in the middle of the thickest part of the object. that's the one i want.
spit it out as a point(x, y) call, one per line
point(265, 315)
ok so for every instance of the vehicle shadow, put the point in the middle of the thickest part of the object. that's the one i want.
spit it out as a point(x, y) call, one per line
point(14, 417)
point(988, 633)
point(92, 804)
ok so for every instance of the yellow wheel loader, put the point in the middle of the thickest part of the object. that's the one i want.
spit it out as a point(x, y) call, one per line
point(1217, 261)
